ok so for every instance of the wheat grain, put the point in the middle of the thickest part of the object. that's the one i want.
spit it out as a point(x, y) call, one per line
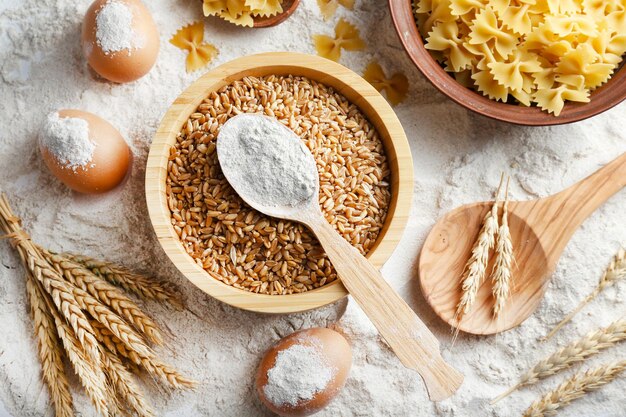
point(50, 354)
point(614, 272)
point(502, 268)
point(274, 256)
point(575, 352)
point(575, 387)
point(106, 293)
point(124, 385)
point(139, 285)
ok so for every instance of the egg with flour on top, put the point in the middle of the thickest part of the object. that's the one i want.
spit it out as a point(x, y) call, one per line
point(120, 39)
point(84, 151)
point(303, 372)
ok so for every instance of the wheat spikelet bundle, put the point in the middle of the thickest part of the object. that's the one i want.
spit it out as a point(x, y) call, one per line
point(577, 351)
point(80, 314)
point(575, 387)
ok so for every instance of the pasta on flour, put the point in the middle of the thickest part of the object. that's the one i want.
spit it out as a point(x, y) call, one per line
point(543, 52)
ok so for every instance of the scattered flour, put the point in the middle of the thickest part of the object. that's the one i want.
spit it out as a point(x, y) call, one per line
point(67, 139)
point(457, 158)
point(298, 374)
point(114, 28)
point(266, 162)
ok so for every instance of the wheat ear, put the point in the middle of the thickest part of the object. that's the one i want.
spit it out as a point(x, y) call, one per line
point(157, 369)
point(575, 387)
point(111, 321)
point(124, 385)
point(140, 285)
point(54, 284)
point(612, 274)
point(502, 268)
point(90, 374)
point(476, 266)
point(107, 294)
point(50, 355)
point(578, 351)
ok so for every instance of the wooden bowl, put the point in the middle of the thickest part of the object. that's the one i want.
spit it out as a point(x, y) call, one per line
point(344, 81)
point(603, 98)
point(289, 6)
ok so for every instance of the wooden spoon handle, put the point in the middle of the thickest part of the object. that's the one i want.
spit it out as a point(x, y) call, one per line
point(407, 335)
point(573, 205)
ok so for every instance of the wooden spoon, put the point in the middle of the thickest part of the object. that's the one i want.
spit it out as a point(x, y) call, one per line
point(289, 6)
point(407, 335)
point(540, 229)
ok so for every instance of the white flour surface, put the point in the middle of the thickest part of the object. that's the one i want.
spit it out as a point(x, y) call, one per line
point(458, 157)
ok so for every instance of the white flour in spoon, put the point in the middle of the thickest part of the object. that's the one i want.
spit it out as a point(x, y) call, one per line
point(265, 161)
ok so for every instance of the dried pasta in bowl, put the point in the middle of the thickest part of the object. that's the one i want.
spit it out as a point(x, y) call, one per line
point(531, 52)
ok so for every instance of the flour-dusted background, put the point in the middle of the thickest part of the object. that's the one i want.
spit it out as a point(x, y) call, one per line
point(458, 157)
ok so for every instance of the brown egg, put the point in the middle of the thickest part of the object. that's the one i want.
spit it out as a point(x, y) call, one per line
point(120, 39)
point(107, 159)
point(303, 372)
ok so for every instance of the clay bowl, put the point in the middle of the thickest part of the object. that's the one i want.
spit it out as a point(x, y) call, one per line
point(289, 6)
point(343, 80)
point(603, 98)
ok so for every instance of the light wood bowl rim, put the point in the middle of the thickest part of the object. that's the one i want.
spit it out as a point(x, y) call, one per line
point(343, 80)
point(603, 98)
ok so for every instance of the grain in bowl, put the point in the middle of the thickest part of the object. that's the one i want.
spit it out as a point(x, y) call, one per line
point(246, 249)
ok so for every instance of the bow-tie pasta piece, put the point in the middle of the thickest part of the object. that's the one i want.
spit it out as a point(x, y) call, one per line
point(346, 37)
point(396, 87)
point(329, 7)
point(190, 38)
point(553, 99)
point(583, 61)
point(445, 37)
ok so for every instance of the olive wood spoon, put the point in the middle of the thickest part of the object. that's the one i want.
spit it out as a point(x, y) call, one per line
point(416, 347)
point(540, 229)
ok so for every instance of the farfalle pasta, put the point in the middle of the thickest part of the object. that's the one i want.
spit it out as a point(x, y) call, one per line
point(241, 12)
point(191, 38)
point(396, 87)
point(542, 52)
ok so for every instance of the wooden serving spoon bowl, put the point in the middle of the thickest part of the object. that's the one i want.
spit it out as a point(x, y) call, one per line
point(289, 6)
point(540, 229)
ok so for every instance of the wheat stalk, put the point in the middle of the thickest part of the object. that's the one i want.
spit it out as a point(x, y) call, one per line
point(578, 351)
point(124, 385)
point(476, 266)
point(156, 368)
point(50, 355)
point(575, 387)
point(107, 294)
point(90, 374)
point(140, 285)
point(502, 268)
point(614, 272)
